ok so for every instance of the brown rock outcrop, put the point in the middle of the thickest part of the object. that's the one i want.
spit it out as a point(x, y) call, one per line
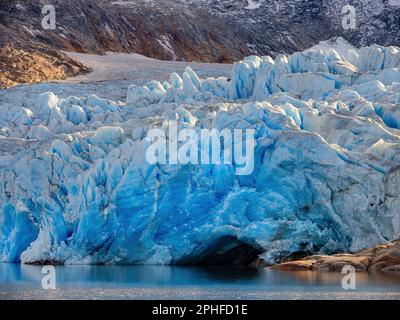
point(29, 66)
point(384, 257)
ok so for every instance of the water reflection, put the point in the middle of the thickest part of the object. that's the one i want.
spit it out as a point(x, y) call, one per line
point(363, 278)
point(14, 276)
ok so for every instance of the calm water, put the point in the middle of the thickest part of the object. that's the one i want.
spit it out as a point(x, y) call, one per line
point(148, 282)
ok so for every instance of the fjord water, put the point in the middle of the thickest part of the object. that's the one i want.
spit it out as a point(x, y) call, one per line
point(163, 282)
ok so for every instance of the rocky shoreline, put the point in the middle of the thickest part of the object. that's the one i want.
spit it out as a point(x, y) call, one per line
point(384, 257)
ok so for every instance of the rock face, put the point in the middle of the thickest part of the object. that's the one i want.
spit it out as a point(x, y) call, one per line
point(195, 30)
point(35, 65)
point(76, 185)
point(384, 257)
point(162, 29)
point(203, 30)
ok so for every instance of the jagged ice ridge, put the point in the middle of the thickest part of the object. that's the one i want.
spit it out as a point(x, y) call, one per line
point(75, 186)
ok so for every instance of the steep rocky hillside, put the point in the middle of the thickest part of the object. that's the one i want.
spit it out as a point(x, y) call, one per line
point(188, 30)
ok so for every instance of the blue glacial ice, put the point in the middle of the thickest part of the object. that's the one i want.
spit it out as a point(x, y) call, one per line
point(76, 188)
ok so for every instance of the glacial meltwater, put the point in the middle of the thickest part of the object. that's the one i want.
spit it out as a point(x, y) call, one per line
point(157, 282)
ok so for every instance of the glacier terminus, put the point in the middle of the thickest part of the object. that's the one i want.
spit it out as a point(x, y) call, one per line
point(75, 186)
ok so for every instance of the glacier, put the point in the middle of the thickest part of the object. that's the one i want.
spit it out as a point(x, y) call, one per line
point(76, 188)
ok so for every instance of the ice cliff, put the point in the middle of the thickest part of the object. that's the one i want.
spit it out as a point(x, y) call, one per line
point(75, 186)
